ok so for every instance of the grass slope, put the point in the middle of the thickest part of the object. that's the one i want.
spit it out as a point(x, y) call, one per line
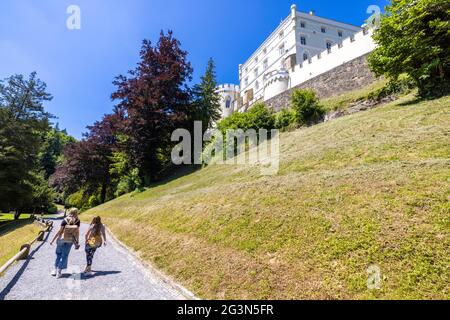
point(13, 236)
point(367, 189)
point(8, 217)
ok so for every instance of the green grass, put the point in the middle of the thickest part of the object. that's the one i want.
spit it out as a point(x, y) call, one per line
point(368, 189)
point(7, 217)
point(13, 236)
point(342, 102)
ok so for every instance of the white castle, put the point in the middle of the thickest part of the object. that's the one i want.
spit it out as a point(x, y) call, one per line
point(302, 47)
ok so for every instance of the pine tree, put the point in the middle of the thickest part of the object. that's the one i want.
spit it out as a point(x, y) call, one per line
point(206, 105)
point(23, 124)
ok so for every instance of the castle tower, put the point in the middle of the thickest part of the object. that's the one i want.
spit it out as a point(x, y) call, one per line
point(229, 95)
point(276, 82)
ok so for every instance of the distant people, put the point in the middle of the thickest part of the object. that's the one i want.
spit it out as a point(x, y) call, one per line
point(95, 238)
point(67, 235)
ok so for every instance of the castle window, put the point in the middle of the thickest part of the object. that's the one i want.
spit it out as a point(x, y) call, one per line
point(256, 59)
point(246, 81)
point(266, 64)
point(256, 85)
point(305, 56)
point(303, 40)
point(264, 50)
point(256, 72)
point(228, 102)
point(329, 44)
point(302, 24)
point(281, 49)
point(340, 34)
point(281, 34)
point(323, 30)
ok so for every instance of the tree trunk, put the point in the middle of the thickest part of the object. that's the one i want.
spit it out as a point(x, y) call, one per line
point(103, 193)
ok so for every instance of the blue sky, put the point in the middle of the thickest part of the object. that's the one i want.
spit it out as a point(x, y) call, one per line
point(80, 65)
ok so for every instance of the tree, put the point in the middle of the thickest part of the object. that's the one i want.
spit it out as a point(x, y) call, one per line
point(154, 100)
point(23, 124)
point(206, 104)
point(53, 146)
point(17, 145)
point(24, 100)
point(414, 38)
point(86, 164)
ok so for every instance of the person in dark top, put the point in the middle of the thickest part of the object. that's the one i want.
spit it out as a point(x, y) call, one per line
point(67, 235)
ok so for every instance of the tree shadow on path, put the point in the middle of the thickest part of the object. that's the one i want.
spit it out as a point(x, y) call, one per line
point(22, 269)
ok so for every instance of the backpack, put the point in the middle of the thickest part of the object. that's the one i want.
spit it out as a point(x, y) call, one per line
point(70, 230)
point(95, 241)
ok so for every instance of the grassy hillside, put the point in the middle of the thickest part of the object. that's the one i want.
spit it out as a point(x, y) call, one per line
point(368, 189)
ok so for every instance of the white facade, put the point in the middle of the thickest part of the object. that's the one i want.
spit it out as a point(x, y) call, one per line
point(299, 38)
point(301, 48)
point(229, 94)
point(351, 48)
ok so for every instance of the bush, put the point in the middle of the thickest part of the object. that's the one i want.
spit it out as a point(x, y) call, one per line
point(129, 183)
point(394, 87)
point(257, 117)
point(307, 109)
point(94, 201)
point(285, 119)
point(52, 209)
point(76, 200)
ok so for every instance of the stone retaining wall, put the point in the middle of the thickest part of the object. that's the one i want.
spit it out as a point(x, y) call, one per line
point(350, 76)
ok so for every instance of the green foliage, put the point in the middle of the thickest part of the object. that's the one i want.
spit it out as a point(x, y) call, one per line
point(397, 87)
point(94, 200)
point(306, 107)
point(42, 194)
point(23, 124)
point(53, 146)
point(414, 38)
point(129, 182)
point(285, 119)
point(258, 117)
point(126, 178)
point(76, 200)
point(206, 104)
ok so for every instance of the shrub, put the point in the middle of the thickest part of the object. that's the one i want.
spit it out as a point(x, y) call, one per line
point(77, 200)
point(52, 209)
point(285, 119)
point(257, 117)
point(128, 183)
point(260, 117)
point(400, 86)
point(306, 106)
point(94, 201)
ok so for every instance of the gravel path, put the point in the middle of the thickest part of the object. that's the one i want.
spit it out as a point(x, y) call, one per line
point(118, 275)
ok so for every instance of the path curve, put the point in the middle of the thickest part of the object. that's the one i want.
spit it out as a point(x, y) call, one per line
point(119, 276)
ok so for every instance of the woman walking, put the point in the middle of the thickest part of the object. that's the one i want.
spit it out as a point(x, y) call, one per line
point(67, 235)
point(95, 238)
